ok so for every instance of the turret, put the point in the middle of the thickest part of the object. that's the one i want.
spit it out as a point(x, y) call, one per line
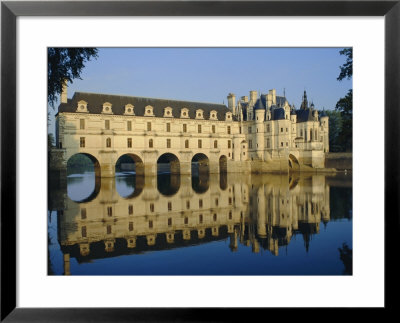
point(259, 111)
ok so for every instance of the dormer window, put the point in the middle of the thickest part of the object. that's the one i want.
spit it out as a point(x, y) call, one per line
point(129, 110)
point(199, 114)
point(184, 113)
point(168, 112)
point(228, 116)
point(213, 115)
point(107, 108)
point(82, 106)
point(148, 111)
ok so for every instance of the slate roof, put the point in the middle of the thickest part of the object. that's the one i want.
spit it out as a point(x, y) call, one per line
point(304, 115)
point(95, 105)
point(278, 114)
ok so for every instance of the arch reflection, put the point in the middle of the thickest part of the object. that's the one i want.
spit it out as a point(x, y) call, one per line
point(258, 212)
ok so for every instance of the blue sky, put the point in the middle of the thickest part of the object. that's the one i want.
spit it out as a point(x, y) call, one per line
point(209, 74)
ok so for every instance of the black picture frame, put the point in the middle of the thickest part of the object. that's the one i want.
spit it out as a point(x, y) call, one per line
point(10, 10)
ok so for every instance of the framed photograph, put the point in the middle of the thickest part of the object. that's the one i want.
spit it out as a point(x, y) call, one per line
point(197, 152)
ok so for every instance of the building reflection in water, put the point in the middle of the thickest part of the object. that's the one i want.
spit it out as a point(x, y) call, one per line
point(172, 211)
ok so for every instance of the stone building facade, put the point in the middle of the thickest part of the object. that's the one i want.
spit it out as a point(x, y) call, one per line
point(258, 134)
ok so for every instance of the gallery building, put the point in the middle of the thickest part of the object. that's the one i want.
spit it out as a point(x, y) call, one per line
point(259, 133)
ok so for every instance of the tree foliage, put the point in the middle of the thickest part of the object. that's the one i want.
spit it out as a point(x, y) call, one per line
point(345, 105)
point(335, 127)
point(346, 70)
point(65, 64)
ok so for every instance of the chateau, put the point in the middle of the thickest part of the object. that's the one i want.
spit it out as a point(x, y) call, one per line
point(259, 133)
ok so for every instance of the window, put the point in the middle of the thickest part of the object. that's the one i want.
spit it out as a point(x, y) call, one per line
point(281, 144)
point(316, 137)
point(249, 130)
point(310, 134)
point(187, 143)
point(281, 129)
point(169, 206)
point(301, 133)
point(200, 203)
point(213, 128)
point(250, 144)
point(148, 126)
point(168, 127)
point(230, 215)
point(83, 214)
point(129, 125)
point(151, 207)
point(150, 143)
point(268, 143)
point(215, 217)
point(199, 143)
point(229, 144)
point(268, 129)
point(201, 218)
point(199, 128)
point(169, 222)
point(107, 124)
point(84, 233)
point(186, 220)
point(108, 142)
point(82, 123)
point(109, 210)
point(130, 209)
point(287, 129)
point(150, 224)
point(108, 229)
point(287, 144)
point(229, 130)
point(230, 201)
point(184, 127)
point(215, 144)
point(130, 226)
point(216, 202)
point(168, 143)
point(82, 142)
point(240, 129)
point(188, 204)
point(129, 142)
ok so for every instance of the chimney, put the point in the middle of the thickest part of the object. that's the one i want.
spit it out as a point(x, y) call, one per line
point(245, 99)
point(253, 96)
point(231, 102)
point(64, 92)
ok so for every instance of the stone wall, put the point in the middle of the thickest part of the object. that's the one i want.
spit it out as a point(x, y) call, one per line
point(339, 161)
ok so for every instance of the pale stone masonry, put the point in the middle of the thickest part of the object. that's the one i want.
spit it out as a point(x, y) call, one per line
point(260, 134)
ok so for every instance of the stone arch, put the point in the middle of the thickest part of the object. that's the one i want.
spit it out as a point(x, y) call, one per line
point(200, 164)
point(200, 173)
point(168, 176)
point(223, 164)
point(294, 164)
point(172, 160)
point(97, 178)
point(138, 167)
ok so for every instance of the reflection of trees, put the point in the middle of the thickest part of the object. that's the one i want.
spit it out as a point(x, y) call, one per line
point(346, 256)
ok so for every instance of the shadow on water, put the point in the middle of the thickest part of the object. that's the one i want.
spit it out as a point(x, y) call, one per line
point(84, 187)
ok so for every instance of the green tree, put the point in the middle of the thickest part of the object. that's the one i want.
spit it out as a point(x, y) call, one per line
point(346, 70)
point(65, 64)
point(335, 128)
point(345, 105)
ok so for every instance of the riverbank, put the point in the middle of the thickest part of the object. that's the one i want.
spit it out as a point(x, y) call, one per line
point(339, 161)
